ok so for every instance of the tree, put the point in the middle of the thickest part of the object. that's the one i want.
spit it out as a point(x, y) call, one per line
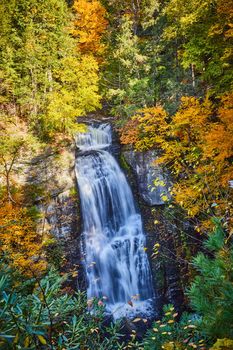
point(31, 50)
point(195, 157)
point(211, 292)
point(141, 12)
point(89, 25)
point(129, 87)
point(205, 31)
point(38, 61)
point(14, 141)
point(197, 149)
point(75, 93)
point(146, 129)
point(19, 240)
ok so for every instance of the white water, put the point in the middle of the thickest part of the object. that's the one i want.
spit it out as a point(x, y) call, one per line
point(116, 264)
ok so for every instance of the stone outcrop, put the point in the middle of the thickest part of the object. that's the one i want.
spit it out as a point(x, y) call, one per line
point(153, 182)
point(50, 185)
point(162, 226)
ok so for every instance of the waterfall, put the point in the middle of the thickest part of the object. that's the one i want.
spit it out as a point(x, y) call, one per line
point(116, 263)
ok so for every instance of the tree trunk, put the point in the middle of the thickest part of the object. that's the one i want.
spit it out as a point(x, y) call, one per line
point(193, 75)
point(10, 199)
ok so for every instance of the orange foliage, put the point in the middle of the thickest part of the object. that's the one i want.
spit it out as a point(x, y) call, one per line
point(219, 145)
point(203, 167)
point(130, 133)
point(225, 12)
point(145, 129)
point(89, 25)
point(19, 240)
point(191, 118)
point(197, 148)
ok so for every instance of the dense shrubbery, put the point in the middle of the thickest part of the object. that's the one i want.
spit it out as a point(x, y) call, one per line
point(211, 297)
point(39, 313)
point(211, 292)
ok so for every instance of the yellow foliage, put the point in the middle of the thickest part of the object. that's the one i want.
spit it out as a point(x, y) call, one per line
point(19, 240)
point(172, 345)
point(42, 339)
point(76, 95)
point(225, 19)
point(89, 25)
point(197, 148)
point(218, 140)
point(145, 129)
point(223, 344)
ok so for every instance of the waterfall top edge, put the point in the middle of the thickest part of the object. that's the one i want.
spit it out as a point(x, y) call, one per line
point(97, 137)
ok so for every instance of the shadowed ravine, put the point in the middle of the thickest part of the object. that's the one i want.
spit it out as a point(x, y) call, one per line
point(116, 263)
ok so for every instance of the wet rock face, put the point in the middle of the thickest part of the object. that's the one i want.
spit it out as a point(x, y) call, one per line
point(60, 217)
point(60, 212)
point(162, 229)
point(53, 175)
point(165, 263)
point(153, 182)
point(50, 185)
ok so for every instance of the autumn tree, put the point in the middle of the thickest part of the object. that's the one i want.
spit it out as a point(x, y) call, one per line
point(218, 147)
point(20, 241)
point(205, 31)
point(14, 142)
point(197, 149)
point(146, 129)
point(75, 93)
point(89, 25)
point(199, 154)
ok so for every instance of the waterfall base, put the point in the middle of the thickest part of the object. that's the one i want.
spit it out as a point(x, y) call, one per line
point(142, 309)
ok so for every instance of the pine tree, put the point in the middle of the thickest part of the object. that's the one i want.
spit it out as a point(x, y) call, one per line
point(39, 62)
point(211, 292)
point(129, 89)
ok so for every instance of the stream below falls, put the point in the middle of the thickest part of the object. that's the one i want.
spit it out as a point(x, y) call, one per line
point(116, 263)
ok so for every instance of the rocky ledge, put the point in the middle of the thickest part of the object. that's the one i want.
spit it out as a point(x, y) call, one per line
point(153, 182)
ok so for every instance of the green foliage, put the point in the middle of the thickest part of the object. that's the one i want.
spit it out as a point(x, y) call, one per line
point(169, 333)
point(129, 85)
point(211, 292)
point(54, 252)
point(44, 77)
point(39, 314)
point(203, 27)
point(124, 163)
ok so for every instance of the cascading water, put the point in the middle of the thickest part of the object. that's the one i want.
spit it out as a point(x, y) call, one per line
point(116, 264)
